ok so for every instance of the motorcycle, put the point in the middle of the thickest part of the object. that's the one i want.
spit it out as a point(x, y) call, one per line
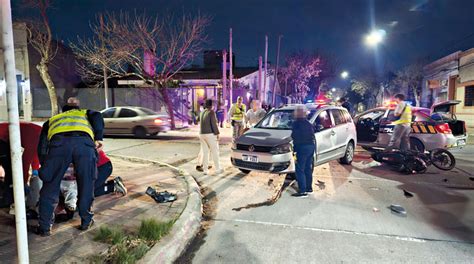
point(416, 162)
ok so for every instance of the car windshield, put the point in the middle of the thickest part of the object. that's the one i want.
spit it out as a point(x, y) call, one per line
point(148, 111)
point(280, 119)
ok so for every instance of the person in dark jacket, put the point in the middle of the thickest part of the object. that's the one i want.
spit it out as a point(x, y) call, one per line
point(347, 105)
point(70, 137)
point(304, 144)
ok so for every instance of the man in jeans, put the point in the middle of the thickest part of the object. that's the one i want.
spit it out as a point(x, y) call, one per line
point(402, 127)
point(304, 143)
point(209, 138)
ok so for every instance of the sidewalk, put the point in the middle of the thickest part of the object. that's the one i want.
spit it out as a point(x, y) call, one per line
point(68, 244)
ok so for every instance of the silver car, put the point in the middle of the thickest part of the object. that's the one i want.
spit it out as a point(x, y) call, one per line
point(268, 145)
point(432, 128)
point(138, 121)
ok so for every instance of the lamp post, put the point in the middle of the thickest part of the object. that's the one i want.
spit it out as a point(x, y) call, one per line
point(375, 37)
point(344, 74)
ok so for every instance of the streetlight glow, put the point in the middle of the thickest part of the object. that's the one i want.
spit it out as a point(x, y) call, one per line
point(375, 37)
point(344, 75)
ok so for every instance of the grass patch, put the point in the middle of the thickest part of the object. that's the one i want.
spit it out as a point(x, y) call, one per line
point(152, 230)
point(112, 235)
point(128, 249)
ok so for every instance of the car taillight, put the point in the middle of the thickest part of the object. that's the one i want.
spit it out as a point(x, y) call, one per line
point(158, 121)
point(444, 129)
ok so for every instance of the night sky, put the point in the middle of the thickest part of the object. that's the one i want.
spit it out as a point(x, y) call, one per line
point(415, 29)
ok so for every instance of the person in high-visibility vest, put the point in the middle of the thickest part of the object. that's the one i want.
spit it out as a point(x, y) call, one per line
point(402, 129)
point(237, 117)
point(72, 136)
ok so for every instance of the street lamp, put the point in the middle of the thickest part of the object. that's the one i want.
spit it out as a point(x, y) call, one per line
point(375, 37)
point(333, 89)
point(344, 75)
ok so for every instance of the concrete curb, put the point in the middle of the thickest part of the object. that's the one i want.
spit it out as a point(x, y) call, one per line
point(186, 227)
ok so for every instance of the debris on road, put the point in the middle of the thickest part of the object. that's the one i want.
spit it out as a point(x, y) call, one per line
point(375, 210)
point(160, 197)
point(407, 194)
point(398, 209)
point(471, 178)
point(350, 181)
point(270, 182)
point(445, 180)
point(321, 185)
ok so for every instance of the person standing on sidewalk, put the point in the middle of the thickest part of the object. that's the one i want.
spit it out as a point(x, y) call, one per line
point(402, 129)
point(255, 114)
point(209, 138)
point(237, 117)
point(304, 143)
point(69, 137)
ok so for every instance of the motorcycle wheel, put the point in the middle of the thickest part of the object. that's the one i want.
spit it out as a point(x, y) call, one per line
point(442, 159)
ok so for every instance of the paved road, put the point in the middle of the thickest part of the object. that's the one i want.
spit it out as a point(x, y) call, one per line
point(345, 220)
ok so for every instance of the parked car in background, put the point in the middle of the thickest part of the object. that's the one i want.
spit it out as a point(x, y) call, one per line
point(137, 121)
point(432, 128)
point(268, 145)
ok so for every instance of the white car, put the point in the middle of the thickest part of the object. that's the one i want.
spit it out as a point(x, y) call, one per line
point(268, 145)
point(137, 121)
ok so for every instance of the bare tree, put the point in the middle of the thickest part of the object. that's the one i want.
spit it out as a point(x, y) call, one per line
point(150, 48)
point(41, 39)
point(410, 78)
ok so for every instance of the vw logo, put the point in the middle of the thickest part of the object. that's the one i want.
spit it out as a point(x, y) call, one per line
point(251, 148)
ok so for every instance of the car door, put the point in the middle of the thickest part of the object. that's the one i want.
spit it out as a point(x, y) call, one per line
point(368, 125)
point(341, 129)
point(126, 121)
point(109, 116)
point(325, 137)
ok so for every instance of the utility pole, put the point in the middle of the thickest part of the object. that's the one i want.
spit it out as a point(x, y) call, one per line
point(264, 95)
point(104, 68)
point(259, 89)
point(231, 65)
point(14, 131)
point(276, 71)
point(224, 82)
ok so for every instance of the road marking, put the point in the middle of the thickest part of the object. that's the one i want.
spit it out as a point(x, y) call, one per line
point(342, 231)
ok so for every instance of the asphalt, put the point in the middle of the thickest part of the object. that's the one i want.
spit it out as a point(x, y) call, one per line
point(346, 221)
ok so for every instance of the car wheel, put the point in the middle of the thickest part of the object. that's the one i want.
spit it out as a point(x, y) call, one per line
point(139, 132)
point(244, 171)
point(349, 154)
point(417, 145)
point(154, 134)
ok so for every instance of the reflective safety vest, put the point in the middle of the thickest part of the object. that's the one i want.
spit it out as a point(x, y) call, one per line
point(405, 117)
point(74, 120)
point(238, 115)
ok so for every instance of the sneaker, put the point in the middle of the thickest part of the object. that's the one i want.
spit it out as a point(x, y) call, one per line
point(84, 227)
point(218, 172)
point(12, 209)
point(199, 168)
point(300, 195)
point(309, 191)
point(119, 187)
point(43, 233)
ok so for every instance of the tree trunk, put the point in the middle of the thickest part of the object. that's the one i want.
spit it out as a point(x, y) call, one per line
point(417, 100)
point(169, 105)
point(44, 73)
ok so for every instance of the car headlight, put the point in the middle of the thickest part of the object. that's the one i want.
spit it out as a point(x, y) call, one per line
point(281, 149)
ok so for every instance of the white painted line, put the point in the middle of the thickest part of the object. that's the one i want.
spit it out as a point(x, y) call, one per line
point(341, 231)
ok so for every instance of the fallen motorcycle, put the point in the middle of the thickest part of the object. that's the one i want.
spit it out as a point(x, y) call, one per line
point(416, 162)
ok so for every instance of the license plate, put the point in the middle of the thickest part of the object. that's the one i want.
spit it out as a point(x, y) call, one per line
point(249, 158)
point(461, 142)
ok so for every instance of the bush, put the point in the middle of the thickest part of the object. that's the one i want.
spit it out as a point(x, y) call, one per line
point(112, 235)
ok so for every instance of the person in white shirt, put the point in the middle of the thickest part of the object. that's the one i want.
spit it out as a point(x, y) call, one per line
point(255, 114)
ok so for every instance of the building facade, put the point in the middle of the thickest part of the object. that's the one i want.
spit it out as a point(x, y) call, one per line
point(451, 78)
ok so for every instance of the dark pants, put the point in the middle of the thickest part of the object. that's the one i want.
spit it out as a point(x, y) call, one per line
point(5, 161)
point(102, 187)
point(63, 150)
point(304, 167)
